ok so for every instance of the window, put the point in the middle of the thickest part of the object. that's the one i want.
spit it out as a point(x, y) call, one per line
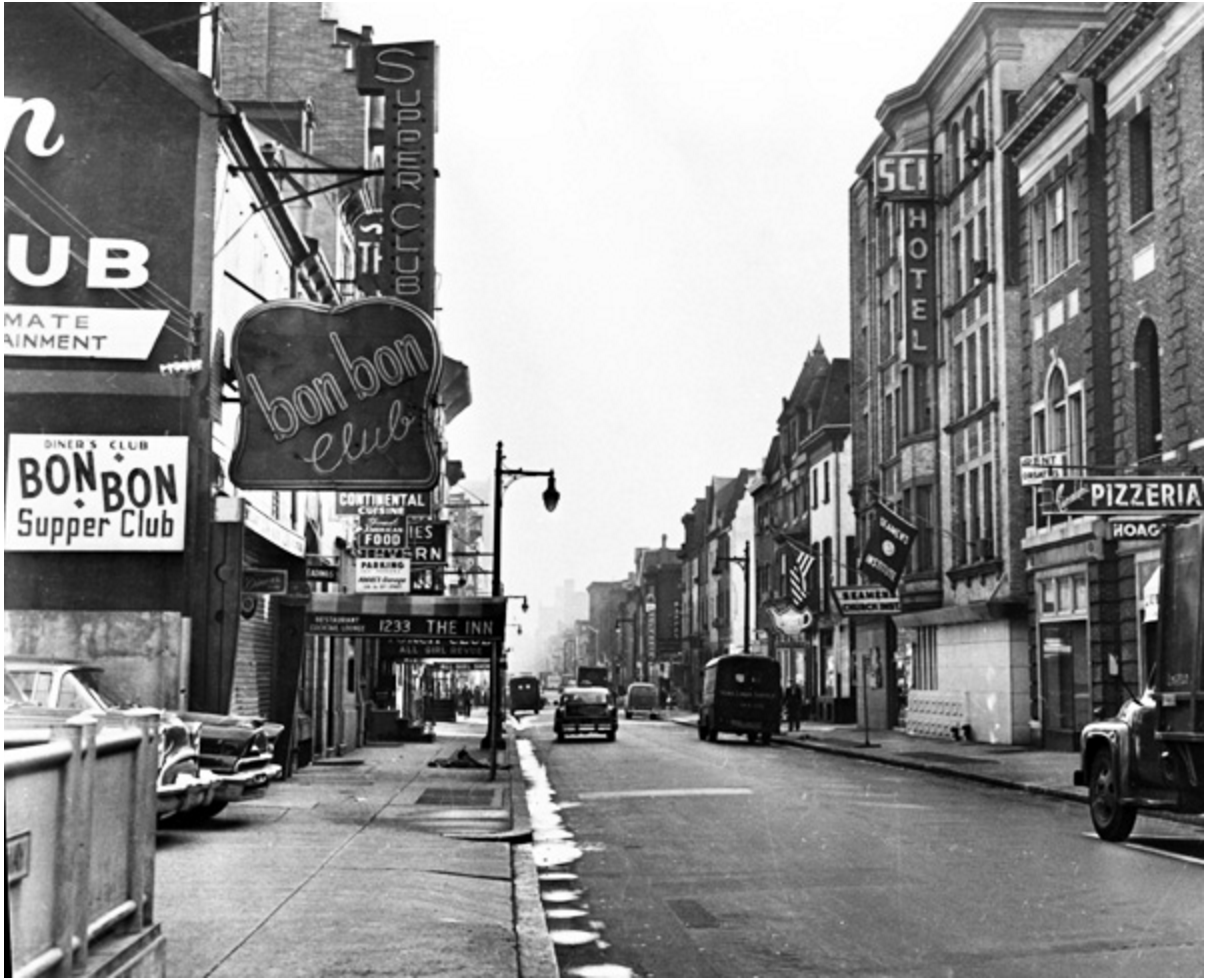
point(987, 535)
point(985, 362)
point(1147, 389)
point(958, 375)
point(983, 239)
point(828, 579)
point(958, 264)
point(975, 524)
point(925, 662)
point(922, 410)
point(959, 541)
point(924, 519)
point(1140, 147)
point(1057, 411)
point(956, 154)
point(826, 482)
point(1054, 231)
point(1055, 215)
point(1076, 440)
point(888, 426)
point(971, 367)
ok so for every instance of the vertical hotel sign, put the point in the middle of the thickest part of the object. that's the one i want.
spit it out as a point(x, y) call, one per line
point(906, 178)
point(405, 74)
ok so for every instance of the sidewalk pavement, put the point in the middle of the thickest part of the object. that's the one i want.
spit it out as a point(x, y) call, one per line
point(396, 860)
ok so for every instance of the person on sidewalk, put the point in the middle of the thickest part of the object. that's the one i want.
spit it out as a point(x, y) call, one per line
point(793, 703)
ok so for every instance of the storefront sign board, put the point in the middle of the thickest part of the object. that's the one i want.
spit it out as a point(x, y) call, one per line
point(96, 493)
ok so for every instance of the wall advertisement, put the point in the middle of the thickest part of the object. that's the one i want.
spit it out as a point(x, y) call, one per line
point(95, 493)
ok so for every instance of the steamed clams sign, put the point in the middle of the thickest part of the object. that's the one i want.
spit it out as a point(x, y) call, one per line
point(337, 399)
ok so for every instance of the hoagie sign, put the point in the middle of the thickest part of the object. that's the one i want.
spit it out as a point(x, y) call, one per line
point(337, 399)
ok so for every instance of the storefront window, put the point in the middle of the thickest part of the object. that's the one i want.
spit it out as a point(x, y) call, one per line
point(1048, 596)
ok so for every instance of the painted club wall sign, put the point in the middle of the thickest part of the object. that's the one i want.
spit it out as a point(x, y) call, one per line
point(337, 398)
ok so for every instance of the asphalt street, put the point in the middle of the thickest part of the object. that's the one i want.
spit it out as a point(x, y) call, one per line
point(664, 856)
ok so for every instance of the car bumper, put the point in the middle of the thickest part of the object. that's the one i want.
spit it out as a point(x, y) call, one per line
point(571, 727)
point(187, 793)
point(236, 786)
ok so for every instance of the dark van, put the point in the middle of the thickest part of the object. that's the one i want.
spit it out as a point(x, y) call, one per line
point(740, 694)
point(524, 694)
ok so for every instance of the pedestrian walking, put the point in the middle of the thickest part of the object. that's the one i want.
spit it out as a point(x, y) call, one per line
point(793, 702)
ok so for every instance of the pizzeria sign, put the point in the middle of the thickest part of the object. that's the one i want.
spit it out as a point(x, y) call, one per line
point(1104, 495)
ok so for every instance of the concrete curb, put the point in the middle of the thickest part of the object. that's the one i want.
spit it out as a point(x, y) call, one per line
point(1072, 796)
point(890, 759)
point(534, 948)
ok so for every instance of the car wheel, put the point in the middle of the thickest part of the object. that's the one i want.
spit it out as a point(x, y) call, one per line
point(1112, 818)
point(766, 738)
point(200, 814)
point(629, 715)
point(701, 733)
point(712, 734)
point(612, 735)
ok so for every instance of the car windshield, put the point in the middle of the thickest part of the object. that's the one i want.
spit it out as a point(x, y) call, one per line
point(75, 693)
point(587, 696)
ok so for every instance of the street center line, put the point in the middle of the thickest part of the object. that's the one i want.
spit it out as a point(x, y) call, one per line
point(637, 793)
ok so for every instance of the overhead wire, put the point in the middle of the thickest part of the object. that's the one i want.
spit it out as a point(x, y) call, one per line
point(149, 296)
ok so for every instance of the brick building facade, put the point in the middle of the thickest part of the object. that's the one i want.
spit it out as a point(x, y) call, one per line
point(1109, 151)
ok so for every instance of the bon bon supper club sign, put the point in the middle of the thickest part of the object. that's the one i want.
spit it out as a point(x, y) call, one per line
point(96, 493)
point(336, 399)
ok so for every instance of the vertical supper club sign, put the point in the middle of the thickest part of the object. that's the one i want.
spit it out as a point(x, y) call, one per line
point(405, 75)
point(337, 399)
point(906, 179)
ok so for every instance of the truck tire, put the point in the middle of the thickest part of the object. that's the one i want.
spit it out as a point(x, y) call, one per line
point(1112, 818)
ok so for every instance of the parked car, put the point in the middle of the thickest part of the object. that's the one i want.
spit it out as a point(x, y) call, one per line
point(206, 760)
point(239, 750)
point(642, 698)
point(586, 709)
point(180, 785)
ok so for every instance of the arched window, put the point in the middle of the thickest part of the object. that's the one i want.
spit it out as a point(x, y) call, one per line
point(1057, 411)
point(1147, 390)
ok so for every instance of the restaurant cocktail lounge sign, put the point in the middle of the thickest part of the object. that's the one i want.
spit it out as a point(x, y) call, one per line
point(337, 398)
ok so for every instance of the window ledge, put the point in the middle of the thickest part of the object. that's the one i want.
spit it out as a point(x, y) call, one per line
point(966, 420)
point(964, 573)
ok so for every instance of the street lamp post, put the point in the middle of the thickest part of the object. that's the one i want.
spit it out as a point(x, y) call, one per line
point(745, 563)
point(549, 497)
point(620, 636)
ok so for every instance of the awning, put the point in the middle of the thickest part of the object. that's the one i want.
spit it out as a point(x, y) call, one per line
point(435, 621)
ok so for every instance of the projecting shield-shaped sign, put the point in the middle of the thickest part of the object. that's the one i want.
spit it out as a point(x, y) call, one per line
point(337, 399)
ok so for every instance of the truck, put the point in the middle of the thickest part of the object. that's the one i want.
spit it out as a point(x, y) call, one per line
point(1150, 756)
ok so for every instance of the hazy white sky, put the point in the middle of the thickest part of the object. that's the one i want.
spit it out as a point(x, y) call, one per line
point(641, 232)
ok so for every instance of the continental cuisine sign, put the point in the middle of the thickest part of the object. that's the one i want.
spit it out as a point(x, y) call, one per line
point(95, 493)
point(337, 399)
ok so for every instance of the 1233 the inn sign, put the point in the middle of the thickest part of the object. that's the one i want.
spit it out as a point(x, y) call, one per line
point(338, 398)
